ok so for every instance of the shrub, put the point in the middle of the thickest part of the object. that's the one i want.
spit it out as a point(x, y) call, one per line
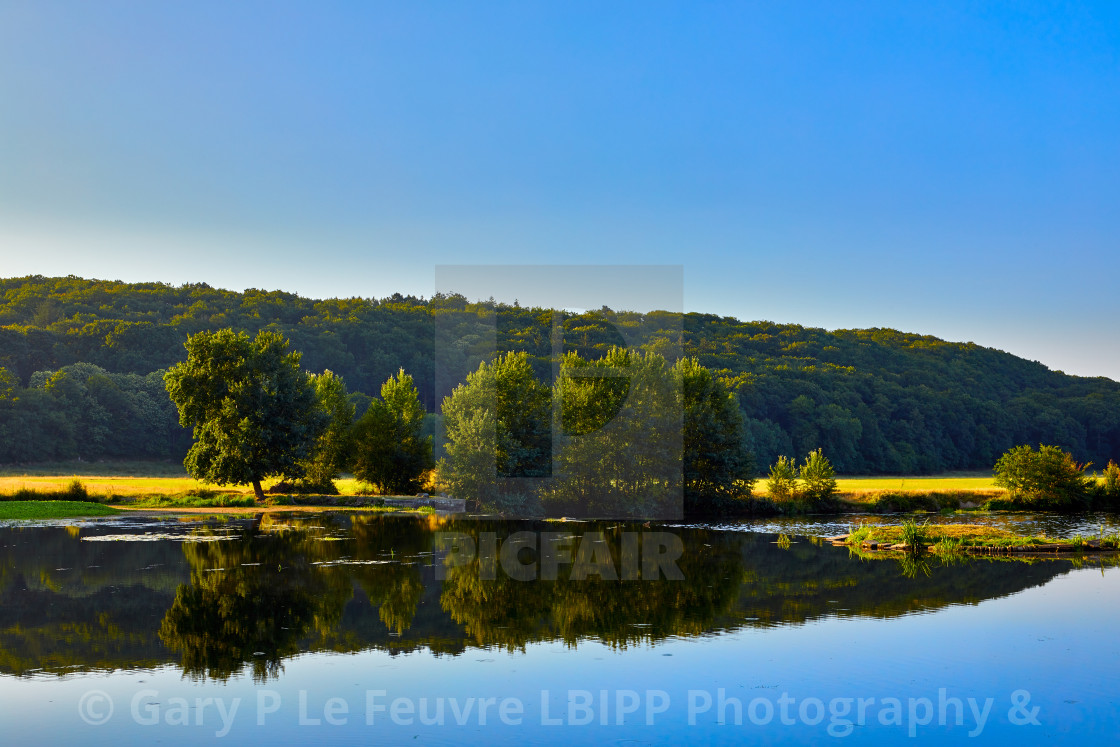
point(1048, 477)
point(782, 483)
point(1110, 487)
point(76, 491)
point(304, 487)
point(818, 477)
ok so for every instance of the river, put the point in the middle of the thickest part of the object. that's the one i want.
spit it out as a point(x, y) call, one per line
point(347, 627)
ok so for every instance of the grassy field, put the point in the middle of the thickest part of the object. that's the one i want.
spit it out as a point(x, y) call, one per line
point(95, 469)
point(52, 510)
point(982, 481)
point(137, 479)
point(859, 486)
point(128, 484)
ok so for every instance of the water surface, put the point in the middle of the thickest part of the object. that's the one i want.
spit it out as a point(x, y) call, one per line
point(298, 628)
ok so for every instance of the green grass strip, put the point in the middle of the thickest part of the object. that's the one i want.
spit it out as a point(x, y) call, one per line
point(53, 509)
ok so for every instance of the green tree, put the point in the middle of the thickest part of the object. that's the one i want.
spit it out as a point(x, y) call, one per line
point(332, 449)
point(782, 482)
point(8, 385)
point(1110, 488)
point(252, 408)
point(620, 436)
point(818, 477)
point(390, 450)
point(497, 426)
point(1049, 476)
point(717, 465)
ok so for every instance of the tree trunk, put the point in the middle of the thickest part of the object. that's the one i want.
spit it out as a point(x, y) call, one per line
point(257, 488)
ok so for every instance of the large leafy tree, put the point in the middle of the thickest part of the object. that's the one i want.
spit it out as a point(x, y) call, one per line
point(390, 450)
point(253, 409)
point(1048, 476)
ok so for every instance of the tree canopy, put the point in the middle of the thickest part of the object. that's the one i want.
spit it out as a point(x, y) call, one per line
point(497, 429)
point(390, 450)
point(252, 408)
point(1049, 476)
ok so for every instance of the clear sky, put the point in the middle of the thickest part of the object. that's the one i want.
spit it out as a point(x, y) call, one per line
point(950, 168)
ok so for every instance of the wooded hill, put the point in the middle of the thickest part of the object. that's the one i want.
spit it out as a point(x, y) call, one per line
point(876, 400)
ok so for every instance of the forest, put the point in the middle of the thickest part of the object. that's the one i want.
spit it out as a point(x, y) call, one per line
point(82, 362)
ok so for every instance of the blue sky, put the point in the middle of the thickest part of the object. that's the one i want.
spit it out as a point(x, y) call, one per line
point(948, 168)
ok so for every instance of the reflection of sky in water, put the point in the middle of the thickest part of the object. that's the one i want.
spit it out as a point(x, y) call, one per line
point(1056, 640)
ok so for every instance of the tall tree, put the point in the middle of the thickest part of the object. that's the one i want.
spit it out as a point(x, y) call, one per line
point(332, 448)
point(621, 437)
point(252, 408)
point(497, 426)
point(717, 466)
point(389, 448)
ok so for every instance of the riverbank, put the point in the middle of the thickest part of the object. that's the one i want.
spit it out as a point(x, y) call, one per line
point(33, 510)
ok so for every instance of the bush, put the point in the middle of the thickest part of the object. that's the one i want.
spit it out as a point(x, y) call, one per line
point(782, 483)
point(75, 491)
point(303, 487)
point(818, 476)
point(1048, 477)
point(1109, 489)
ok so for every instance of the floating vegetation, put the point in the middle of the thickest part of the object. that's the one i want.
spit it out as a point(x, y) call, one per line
point(157, 536)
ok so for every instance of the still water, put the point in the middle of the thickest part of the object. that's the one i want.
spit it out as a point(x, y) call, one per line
point(355, 628)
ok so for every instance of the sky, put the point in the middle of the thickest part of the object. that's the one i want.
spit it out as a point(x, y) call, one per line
point(948, 168)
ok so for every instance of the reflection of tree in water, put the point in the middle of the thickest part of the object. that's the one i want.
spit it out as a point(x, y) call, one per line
point(251, 599)
point(258, 597)
point(390, 552)
point(358, 582)
point(510, 613)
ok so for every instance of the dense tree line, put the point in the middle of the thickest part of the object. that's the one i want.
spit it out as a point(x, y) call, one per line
point(82, 411)
point(876, 400)
point(254, 414)
point(627, 434)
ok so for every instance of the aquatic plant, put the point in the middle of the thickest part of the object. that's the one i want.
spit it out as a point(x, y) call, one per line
point(948, 545)
point(915, 535)
point(859, 534)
